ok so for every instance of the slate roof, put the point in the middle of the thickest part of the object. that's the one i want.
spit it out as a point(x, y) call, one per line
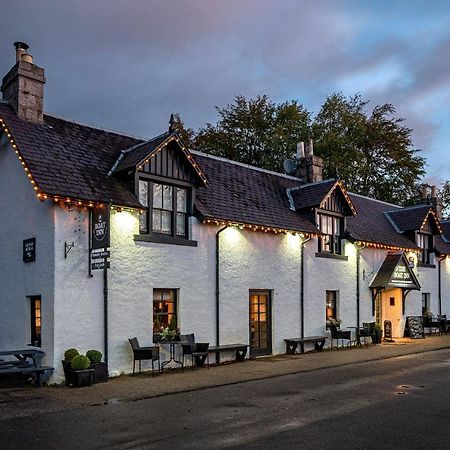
point(311, 194)
point(443, 246)
point(383, 277)
point(241, 193)
point(71, 160)
point(132, 156)
point(411, 218)
point(371, 224)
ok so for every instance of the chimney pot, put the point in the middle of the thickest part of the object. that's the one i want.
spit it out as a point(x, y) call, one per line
point(21, 49)
point(300, 150)
point(27, 58)
point(310, 149)
point(433, 191)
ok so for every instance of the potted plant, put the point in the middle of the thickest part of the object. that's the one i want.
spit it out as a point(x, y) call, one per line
point(68, 373)
point(169, 333)
point(378, 334)
point(100, 368)
point(333, 322)
point(157, 329)
point(83, 375)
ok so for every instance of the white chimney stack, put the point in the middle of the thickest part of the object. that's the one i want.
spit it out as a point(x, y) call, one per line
point(300, 150)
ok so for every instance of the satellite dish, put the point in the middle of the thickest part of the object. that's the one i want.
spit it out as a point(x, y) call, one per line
point(290, 166)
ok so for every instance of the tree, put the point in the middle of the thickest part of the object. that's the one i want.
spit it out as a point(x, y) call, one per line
point(372, 152)
point(444, 193)
point(186, 134)
point(256, 131)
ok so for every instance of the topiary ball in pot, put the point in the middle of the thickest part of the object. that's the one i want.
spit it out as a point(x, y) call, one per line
point(70, 354)
point(94, 356)
point(80, 362)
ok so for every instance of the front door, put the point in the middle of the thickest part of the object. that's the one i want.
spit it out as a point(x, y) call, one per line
point(392, 311)
point(260, 323)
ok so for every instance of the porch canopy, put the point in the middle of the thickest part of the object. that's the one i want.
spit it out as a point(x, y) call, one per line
point(395, 272)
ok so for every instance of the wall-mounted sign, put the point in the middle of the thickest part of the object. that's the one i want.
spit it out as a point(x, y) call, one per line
point(29, 250)
point(100, 264)
point(401, 276)
point(101, 255)
point(100, 227)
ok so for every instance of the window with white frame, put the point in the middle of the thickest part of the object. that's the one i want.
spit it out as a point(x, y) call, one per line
point(331, 227)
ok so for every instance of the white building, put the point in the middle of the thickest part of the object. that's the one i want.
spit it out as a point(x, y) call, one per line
point(234, 253)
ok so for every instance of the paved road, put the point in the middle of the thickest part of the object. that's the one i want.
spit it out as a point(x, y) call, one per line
point(397, 403)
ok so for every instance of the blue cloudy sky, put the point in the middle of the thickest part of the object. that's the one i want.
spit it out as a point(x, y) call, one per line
point(126, 65)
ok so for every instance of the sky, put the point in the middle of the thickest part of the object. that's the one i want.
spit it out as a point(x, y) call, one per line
point(127, 65)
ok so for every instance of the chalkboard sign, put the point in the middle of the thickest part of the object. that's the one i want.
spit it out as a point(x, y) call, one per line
point(415, 327)
point(387, 329)
point(100, 227)
point(29, 250)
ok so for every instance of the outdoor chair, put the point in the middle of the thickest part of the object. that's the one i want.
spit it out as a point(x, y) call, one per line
point(368, 330)
point(339, 335)
point(144, 354)
point(198, 351)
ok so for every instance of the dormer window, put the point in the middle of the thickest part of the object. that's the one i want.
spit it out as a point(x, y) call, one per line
point(167, 209)
point(331, 227)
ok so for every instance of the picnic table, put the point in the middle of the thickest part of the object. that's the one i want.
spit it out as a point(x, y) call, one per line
point(28, 361)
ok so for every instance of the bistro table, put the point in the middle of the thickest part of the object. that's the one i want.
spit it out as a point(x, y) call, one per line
point(171, 345)
point(357, 336)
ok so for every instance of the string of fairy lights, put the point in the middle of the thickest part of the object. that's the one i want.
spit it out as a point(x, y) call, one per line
point(210, 221)
point(344, 192)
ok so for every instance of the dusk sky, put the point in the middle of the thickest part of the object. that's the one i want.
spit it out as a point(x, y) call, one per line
point(126, 65)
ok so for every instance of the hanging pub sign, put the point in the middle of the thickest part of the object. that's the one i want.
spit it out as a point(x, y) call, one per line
point(100, 227)
point(29, 250)
point(401, 276)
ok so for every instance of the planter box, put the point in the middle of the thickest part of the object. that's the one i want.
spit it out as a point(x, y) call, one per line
point(77, 378)
point(101, 374)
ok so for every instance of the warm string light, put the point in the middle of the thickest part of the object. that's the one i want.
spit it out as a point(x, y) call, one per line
point(253, 227)
point(16, 151)
point(436, 219)
point(386, 247)
point(344, 192)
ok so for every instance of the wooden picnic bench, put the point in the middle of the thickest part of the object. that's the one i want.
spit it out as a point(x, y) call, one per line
point(27, 361)
point(240, 349)
point(292, 343)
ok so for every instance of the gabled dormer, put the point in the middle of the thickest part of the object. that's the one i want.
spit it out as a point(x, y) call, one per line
point(420, 224)
point(326, 204)
point(163, 175)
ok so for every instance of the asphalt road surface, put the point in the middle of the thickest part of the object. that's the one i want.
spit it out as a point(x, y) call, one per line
point(397, 403)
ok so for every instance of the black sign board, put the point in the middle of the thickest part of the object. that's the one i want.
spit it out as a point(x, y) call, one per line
point(100, 227)
point(100, 264)
point(101, 255)
point(29, 250)
point(401, 276)
point(415, 327)
point(387, 329)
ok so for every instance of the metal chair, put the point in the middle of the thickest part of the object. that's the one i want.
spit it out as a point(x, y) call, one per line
point(340, 335)
point(368, 330)
point(198, 351)
point(144, 354)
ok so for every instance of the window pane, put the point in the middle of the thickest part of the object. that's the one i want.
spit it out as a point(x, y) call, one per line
point(157, 195)
point(167, 197)
point(143, 192)
point(337, 226)
point(181, 200)
point(156, 220)
point(181, 224)
point(143, 222)
point(166, 222)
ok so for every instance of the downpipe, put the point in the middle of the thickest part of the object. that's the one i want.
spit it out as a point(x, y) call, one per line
point(218, 290)
point(302, 287)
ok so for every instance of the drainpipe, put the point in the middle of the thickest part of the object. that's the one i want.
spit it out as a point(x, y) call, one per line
point(105, 310)
point(302, 287)
point(440, 283)
point(218, 290)
point(358, 284)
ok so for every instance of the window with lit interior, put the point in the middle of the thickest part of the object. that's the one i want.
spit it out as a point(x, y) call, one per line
point(425, 242)
point(167, 209)
point(164, 308)
point(331, 227)
point(35, 303)
point(331, 305)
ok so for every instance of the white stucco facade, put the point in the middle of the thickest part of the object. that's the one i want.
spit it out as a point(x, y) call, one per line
point(73, 302)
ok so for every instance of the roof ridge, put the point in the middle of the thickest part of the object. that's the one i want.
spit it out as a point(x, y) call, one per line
point(406, 208)
point(248, 166)
point(375, 200)
point(314, 183)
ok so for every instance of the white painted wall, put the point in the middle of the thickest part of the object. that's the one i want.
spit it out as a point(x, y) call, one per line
point(22, 216)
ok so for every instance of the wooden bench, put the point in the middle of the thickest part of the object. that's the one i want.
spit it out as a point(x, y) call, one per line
point(36, 372)
point(240, 349)
point(291, 344)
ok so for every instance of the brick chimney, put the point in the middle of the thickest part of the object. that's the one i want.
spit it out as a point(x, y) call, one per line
point(310, 169)
point(23, 86)
point(429, 196)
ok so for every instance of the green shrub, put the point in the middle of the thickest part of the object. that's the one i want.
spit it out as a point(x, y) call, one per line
point(94, 356)
point(80, 362)
point(70, 354)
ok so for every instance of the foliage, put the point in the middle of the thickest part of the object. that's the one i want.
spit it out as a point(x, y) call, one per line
point(256, 131)
point(372, 152)
point(94, 356)
point(333, 322)
point(444, 193)
point(170, 332)
point(377, 327)
point(80, 362)
point(70, 354)
point(186, 134)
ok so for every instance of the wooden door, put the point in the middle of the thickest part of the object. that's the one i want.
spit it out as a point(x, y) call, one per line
point(260, 323)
